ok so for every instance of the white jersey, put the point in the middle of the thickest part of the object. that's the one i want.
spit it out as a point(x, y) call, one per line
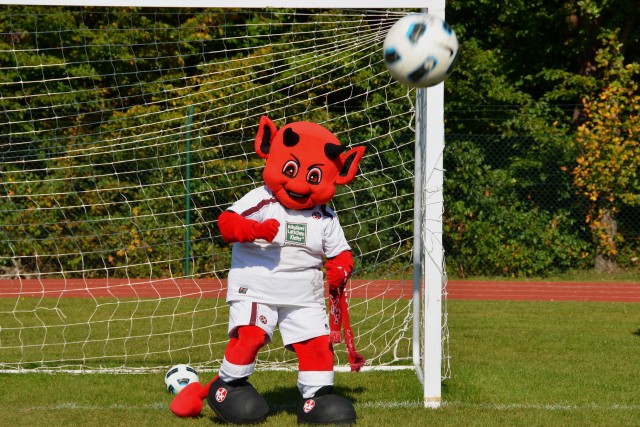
point(286, 272)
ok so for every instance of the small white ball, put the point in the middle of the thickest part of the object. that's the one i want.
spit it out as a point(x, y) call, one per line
point(178, 377)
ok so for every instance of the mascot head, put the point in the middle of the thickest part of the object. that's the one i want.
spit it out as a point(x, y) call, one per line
point(305, 162)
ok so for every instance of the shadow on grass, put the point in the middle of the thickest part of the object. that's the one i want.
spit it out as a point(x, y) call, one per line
point(282, 399)
point(637, 333)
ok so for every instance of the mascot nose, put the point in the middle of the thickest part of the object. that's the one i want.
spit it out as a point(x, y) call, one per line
point(299, 185)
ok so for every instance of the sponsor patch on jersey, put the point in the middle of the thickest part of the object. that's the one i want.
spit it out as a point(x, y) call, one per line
point(242, 290)
point(296, 233)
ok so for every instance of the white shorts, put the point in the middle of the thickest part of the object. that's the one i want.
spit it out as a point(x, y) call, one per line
point(296, 324)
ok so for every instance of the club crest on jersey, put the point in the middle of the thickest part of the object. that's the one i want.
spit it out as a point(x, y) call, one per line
point(296, 233)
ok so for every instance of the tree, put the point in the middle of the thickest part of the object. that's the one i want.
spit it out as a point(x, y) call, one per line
point(607, 173)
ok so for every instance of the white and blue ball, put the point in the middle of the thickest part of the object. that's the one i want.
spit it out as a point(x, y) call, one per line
point(420, 50)
point(178, 377)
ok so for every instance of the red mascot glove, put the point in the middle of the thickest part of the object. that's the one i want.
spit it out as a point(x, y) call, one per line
point(188, 402)
point(236, 228)
point(339, 269)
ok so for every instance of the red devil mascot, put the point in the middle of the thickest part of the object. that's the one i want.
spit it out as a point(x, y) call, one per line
point(282, 233)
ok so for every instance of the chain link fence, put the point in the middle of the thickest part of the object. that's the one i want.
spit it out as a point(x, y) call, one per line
point(512, 208)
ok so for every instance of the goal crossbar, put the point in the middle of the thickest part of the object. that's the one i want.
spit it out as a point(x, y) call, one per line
point(431, 5)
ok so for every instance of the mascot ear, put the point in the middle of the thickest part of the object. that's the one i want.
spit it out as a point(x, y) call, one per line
point(350, 160)
point(266, 133)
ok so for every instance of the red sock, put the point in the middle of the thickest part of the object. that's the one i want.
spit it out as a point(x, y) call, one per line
point(315, 354)
point(242, 350)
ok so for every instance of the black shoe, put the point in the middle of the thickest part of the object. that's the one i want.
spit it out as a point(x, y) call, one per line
point(237, 402)
point(326, 408)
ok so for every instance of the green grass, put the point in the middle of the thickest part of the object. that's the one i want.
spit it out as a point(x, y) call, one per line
point(513, 364)
point(97, 333)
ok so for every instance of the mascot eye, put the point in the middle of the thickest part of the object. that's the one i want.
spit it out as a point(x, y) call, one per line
point(314, 176)
point(290, 169)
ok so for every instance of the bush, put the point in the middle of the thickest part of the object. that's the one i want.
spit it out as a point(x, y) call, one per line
point(489, 230)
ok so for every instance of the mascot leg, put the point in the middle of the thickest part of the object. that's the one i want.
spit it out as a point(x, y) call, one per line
point(230, 395)
point(315, 382)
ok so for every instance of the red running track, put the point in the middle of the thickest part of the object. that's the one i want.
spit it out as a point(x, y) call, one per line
point(545, 291)
point(208, 288)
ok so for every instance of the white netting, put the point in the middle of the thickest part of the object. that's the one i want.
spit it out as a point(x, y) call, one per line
point(124, 133)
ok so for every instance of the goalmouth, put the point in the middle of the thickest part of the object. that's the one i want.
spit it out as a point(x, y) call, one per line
point(127, 128)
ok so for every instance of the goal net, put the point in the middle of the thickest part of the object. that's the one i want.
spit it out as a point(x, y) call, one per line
point(126, 131)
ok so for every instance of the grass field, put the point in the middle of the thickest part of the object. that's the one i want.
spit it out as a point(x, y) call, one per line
point(514, 363)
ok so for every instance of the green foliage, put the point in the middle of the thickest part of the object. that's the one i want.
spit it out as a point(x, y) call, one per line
point(514, 100)
point(514, 158)
point(490, 231)
point(509, 198)
point(139, 77)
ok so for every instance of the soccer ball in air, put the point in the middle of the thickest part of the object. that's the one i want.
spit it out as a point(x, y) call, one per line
point(420, 50)
point(178, 377)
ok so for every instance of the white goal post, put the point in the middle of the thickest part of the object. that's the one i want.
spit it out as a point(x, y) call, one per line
point(125, 132)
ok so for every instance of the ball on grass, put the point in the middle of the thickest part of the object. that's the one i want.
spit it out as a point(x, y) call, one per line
point(179, 376)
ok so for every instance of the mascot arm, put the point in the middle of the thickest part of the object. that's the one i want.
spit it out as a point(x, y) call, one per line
point(339, 269)
point(236, 228)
